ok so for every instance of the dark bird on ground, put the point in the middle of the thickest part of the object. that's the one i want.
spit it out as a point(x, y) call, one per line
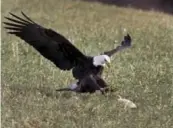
point(56, 48)
point(90, 83)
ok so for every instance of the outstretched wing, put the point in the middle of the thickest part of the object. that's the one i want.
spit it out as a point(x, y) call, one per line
point(126, 43)
point(50, 44)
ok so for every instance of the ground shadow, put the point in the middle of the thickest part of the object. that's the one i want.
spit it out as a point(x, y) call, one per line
point(165, 6)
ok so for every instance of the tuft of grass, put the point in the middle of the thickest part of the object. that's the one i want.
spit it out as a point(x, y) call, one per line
point(142, 74)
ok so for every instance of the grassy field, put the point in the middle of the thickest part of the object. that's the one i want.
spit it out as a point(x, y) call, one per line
point(143, 74)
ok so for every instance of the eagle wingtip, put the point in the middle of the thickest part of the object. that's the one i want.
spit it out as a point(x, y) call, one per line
point(22, 13)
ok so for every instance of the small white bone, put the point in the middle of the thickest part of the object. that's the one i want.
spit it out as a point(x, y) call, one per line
point(127, 103)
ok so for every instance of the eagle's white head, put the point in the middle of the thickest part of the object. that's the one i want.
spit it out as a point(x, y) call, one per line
point(101, 60)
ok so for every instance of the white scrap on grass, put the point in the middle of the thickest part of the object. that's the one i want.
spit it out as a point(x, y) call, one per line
point(124, 30)
point(115, 41)
point(127, 102)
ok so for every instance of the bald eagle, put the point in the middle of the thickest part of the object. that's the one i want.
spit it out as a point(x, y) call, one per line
point(56, 48)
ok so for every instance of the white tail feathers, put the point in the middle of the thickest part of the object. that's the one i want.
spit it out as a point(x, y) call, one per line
point(73, 86)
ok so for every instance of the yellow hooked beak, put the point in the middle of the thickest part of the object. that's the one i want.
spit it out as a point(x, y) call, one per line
point(108, 64)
